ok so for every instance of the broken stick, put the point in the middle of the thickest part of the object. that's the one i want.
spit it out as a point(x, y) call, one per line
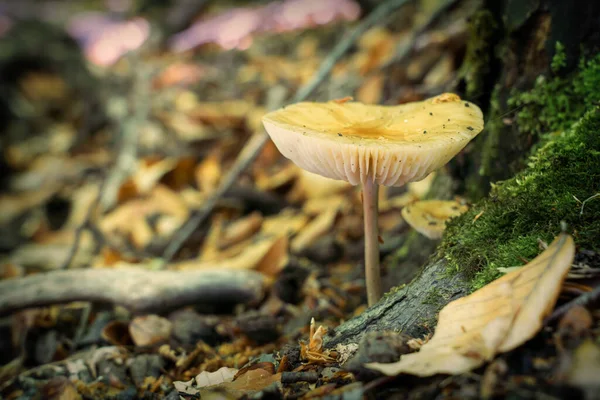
point(139, 290)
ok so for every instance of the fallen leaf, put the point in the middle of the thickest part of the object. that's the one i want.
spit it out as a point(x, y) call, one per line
point(420, 188)
point(494, 319)
point(221, 375)
point(241, 229)
point(315, 229)
point(208, 173)
point(585, 369)
point(428, 217)
point(371, 89)
point(185, 387)
point(149, 330)
point(251, 257)
point(288, 222)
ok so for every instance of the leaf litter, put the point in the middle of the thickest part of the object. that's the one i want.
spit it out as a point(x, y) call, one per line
point(294, 235)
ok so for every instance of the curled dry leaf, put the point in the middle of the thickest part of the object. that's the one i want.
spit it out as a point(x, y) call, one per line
point(221, 375)
point(429, 217)
point(150, 330)
point(494, 319)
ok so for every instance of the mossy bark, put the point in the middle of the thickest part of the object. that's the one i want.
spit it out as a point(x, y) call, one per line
point(519, 196)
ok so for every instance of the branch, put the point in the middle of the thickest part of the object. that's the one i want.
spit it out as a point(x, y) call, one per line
point(259, 139)
point(137, 289)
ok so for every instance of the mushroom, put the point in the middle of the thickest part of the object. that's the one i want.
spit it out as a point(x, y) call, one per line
point(428, 217)
point(374, 145)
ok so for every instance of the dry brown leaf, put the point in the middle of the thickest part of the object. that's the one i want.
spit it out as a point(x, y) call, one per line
point(241, 229)
point(150, 330)
point(496, 318)
point(287, 222)
point(250, 258)
point(312, 186)
point(116, 333)
point(140, 232)
point(371, 89)
point(315, 229)
point(14, 205)
point(284, 176)
point(223, 114)
point(319, 205)
point(149, 172)
point(208, 173)
point(276, 258)
point(428, 217)
point(161, 200)
point(247, 384)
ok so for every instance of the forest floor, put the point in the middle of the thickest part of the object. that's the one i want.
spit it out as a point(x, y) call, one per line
point(156, 245)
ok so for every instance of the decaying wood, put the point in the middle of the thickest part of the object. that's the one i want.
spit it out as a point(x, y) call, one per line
point(412, 309)
point(139, 290)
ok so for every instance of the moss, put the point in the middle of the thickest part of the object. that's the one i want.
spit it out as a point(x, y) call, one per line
point(503, 230)
point(476, 67)
point(555, 103)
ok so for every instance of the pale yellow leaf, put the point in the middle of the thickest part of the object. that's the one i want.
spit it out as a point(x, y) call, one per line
point(208, 173)
point(496, 318)
point(287, 222)
point(251, 258)
point(221, 375)
point(241, 229)
point(315, 229)
point(149, 330)
point(428, 217)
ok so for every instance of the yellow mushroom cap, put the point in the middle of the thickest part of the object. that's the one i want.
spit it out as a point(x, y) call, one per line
point(428, 217)
point(391, 144)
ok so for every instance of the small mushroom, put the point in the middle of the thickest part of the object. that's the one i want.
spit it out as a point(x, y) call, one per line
point(428, 217)
point(374, 145)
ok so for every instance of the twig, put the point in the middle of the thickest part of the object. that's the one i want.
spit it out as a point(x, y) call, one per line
point(86, 224)
point(127, 157)
point(586, 200)
point(137, 289)
point(259, 139)
point(582, 300)
point(406, 47)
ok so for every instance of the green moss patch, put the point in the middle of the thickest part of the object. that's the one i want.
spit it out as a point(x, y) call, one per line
point(555, 103)
point(503, 230)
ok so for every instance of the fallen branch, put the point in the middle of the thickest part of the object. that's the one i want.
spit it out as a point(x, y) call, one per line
point(259, 139)
point(139, 290)
point(584, 300)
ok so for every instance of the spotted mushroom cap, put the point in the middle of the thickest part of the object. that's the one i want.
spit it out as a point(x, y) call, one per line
point(391, 144)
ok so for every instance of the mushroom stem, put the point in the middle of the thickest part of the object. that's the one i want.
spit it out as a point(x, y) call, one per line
point(371, 210)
